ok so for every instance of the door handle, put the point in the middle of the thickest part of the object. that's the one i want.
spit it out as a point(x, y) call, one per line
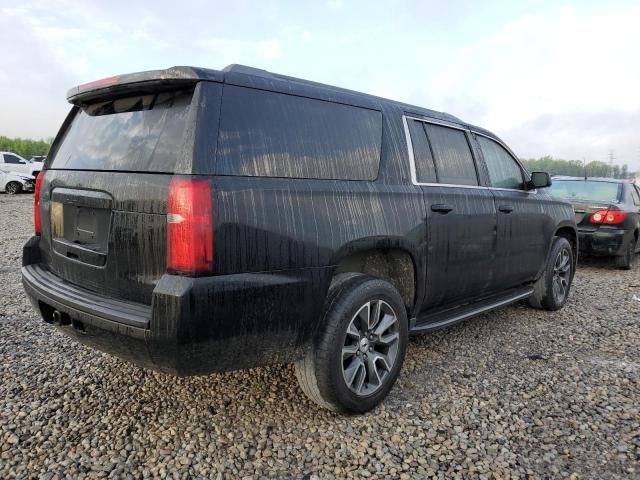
point(506, 208)
point(441, 208)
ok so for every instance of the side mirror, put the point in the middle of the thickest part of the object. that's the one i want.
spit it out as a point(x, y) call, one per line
point(539, 180)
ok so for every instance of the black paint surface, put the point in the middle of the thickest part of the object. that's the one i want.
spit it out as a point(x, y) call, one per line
point(277, 241)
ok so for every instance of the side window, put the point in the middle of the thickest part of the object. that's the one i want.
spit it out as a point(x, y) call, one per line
point(635, 194)
point(423, 159)
point(268, 134)
point(504, 171)
point(453, 159)
point(8, 158)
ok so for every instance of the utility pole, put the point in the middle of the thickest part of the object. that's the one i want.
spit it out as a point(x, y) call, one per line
point(611, 159)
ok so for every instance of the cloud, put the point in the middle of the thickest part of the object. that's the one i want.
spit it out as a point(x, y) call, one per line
point(534, 74)
point(270, 49)
point(227, 50)
point(539, 71)
point(578, 134)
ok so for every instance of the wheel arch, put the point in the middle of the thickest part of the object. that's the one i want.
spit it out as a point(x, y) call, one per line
point(392, 259)
point(565, 229)
point(569, 232)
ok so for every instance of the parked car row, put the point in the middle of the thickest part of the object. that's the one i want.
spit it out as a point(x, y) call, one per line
point(18, 174)
point(12, 162)
point(14, 182)
point(607, 215)
point(193, 220)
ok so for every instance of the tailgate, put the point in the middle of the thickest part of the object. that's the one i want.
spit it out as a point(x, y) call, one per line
point(104, 196)
point(105, 232)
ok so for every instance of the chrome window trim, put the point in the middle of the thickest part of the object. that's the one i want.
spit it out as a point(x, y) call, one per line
point(434, 121)
point(412, 160)
point(514, 190)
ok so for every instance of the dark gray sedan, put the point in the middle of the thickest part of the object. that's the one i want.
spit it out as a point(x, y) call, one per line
point(607, 214)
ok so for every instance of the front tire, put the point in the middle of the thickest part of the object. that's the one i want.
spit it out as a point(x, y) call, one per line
point(552, 288)
point(356, 357)
point(13, 188)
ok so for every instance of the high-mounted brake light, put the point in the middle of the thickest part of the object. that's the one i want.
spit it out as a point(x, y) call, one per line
point(103, 82)
point(190, 227)
point(608, 217)
point(36, 203)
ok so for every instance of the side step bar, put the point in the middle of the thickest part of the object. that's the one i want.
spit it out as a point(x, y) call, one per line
point(442, 319)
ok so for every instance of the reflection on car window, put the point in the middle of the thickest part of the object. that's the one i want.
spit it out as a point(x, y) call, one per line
point(272, 134)
point(423, 159)
point(8, 158)
point(504, 171)
point(141, 133)
point(454, 162)
point(586, 190)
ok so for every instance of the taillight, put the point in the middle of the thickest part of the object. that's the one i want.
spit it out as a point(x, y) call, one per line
point(610, 217)
point(189, 227)
point(36, 204)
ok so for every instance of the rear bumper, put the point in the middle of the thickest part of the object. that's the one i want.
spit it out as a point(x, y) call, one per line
point(194, 326)
point(610, 242)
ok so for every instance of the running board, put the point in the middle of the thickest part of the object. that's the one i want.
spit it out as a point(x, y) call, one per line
point(442, 319)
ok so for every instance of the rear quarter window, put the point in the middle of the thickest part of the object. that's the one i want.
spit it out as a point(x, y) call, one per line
point(143, 133)
point(268, 134)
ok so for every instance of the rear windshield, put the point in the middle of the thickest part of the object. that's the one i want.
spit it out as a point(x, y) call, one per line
point(586, 190)
point(139, 133)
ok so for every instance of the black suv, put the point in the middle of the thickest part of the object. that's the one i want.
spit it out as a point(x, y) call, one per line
point(193, 220)
point(607, 214)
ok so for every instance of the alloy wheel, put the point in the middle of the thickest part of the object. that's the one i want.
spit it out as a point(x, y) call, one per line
point(12, 188)
point(370, 347)
point(561, 275)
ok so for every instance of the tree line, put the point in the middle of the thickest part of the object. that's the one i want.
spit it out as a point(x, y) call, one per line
point(25, 147)
point(576, 168)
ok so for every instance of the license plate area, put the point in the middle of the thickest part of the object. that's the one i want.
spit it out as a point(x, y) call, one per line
point(80, 225)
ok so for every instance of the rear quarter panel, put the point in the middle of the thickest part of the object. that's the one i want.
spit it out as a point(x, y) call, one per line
point(270, 224)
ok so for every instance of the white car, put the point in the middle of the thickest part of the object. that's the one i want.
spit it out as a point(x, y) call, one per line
point(12, 162)
point(16, 182)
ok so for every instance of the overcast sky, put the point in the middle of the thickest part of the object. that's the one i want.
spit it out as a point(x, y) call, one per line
point(549, 77)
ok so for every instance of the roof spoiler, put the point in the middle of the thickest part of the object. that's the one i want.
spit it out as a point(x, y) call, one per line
point(141, 82)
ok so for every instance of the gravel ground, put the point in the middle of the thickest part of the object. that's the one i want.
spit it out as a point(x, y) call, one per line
point(512, 394)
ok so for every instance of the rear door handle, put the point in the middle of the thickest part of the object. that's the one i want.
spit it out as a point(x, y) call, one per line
point(506, 208)
point(441, 208)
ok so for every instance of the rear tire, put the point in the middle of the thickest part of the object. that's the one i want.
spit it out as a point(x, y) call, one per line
point(13, 188)
point(356, 357)
point(626, 261)
point(552, 288)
